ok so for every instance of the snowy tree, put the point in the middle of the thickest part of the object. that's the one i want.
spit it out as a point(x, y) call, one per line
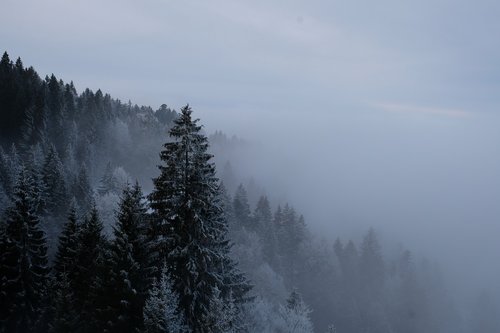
point(241, 208)
point(65, 318)
point(65, 259)
point(91, 260)
point(161, 310)
point(190, 223)
point(130, 266)
point(295, 315)
point(53, 177)
point(224, 315)
point(331, 329)
point(23, 263)
point(107, 183)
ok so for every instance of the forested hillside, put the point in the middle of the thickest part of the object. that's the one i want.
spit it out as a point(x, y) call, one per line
point(85, 249)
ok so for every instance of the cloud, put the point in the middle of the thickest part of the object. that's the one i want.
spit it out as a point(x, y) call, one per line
point(403, 108)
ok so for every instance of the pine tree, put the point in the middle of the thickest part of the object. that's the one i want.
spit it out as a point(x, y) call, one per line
point(23, 263)
point(161, 311)
point(66, 255)
point(131, 271)
point(107, 183)
point(267, 231)
point(371, 263)
point(262, 216)
point(82, 189)
point(53, 177)
point(65, 318)
point(224, 315)
point(241, 209)
point(91, 260)
point(295, 315)
point(190, 222)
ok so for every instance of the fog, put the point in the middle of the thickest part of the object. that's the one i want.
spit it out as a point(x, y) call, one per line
point(428, 180)
point(360, 114)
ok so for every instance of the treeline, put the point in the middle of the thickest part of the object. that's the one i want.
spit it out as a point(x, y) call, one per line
point(355, 287)
point(164, 271)
point(83, 250)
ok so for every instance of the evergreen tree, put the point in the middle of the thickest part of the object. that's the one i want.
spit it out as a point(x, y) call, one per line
point(65, 318)
point(131, 269)
point(82, 190)
point(224, 315)
point(264, 220)
point(91, 258)
point(66, 255)
point(107, 183)
point(190, 222)
point(53, 177)
point(241, 209)
point(161, 310)
point(295, 315)
point(23, 265)
point(371, 263)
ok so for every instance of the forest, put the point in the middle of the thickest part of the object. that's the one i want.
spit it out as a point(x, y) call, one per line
point(122, 218)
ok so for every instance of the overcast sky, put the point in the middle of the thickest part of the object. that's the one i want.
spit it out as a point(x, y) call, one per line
point(386, 112)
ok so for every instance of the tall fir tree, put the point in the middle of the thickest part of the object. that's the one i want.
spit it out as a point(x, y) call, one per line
point(241, 209)
point(24, 265)
point(53, 177)
point(191, 224)
point(67, 249)
point(91, 260)
point(107, 182)
point(131, 270)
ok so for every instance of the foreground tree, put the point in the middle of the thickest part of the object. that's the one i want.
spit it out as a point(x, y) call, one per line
point(23, 264)
point(130, 269)
point(190, 226)
point(90, 274)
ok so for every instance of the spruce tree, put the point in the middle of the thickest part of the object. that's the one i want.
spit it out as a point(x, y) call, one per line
point(371, 264)
point(53, 177)
point(295, 315)
point(64, 317)
point(23, 265)
point(107, 183)
point(66, 255)
point(130, 265)
point(190, 222)
point(161, 312)
point(91, 261)
point(241, 209)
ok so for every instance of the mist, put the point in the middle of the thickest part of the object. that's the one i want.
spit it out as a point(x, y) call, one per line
point(425, 179)
point(358, 115)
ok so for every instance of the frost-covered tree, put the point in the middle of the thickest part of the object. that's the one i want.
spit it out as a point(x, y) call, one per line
point(82, 190)
point(64, 317)
point(53, 177)
point(190, 224)
point(224, 314)
point(66, 255)
point(241, 208)
point(107, 182)
point(161, 310)
point(295, 315)
point(91, 262)
point(23, 261)
point(130, 265)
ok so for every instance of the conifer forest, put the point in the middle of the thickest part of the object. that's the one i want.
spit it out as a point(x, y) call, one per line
point(316, 168)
